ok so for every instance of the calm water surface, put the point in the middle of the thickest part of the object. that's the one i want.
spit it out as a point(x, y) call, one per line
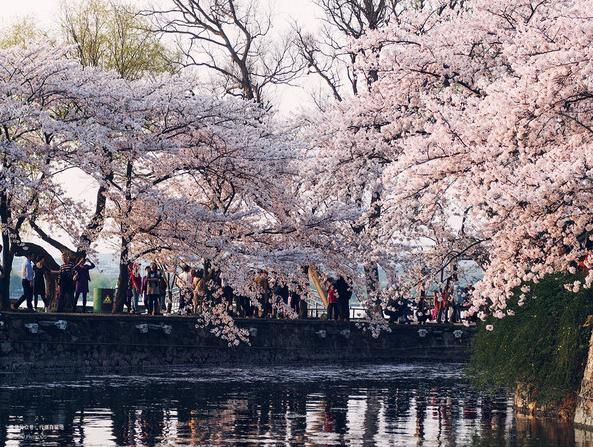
point(403, 405)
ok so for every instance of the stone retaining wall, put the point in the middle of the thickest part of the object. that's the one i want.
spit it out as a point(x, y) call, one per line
point(109, 342)
point(583, 416)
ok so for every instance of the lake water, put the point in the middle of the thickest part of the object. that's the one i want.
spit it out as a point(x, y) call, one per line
point(385, 405)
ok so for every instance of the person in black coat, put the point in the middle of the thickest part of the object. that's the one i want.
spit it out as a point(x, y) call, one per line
point(422, 309)
point(344, 290)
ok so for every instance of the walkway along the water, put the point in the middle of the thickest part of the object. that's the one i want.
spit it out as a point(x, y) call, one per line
point(38, 341)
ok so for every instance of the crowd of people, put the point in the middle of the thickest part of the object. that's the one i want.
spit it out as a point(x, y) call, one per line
point(448, 304)
point(73, 280)
point(197, 289)
point(200, 288)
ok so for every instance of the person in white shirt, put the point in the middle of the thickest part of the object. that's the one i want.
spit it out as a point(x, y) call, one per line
point(186, 286)
point(27, 282)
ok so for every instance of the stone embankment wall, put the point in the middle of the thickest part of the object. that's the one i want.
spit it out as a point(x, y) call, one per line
point(31, 342)
point(525, 403)
point(583, 416)
point(580, 410)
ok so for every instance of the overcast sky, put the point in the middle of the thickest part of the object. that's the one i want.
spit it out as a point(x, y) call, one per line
point(47, 12)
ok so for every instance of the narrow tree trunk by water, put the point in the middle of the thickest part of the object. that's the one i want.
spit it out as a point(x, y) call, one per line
point(7, 255)
point(7, 258)
point(122, 280)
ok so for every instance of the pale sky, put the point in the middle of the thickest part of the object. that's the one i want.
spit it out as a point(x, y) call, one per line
point(47, 10)
point(304, 12)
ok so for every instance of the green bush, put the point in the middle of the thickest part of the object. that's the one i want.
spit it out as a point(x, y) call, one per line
point(102, 281)
point(543, 345)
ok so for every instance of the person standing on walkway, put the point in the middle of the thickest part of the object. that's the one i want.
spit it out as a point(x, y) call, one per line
point(280, 299)
point(436, 306)
point(134, 286)
point(422, 310)
point(144, 288)
point(199, 291)
point(446, 302)
point(154, 289)
point(39, 270)
point(82, 278)
point(332, 302)
point(27, 283)
point(65, 283)
point(186, 285)
point(458, 299)
point(344, 295)
point(295, 301)
point(262, 284)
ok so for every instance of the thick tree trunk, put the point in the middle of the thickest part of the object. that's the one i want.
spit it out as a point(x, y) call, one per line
point(122, 281)
point(98, 220)
point(371, 274)
point(7, 255)
point(7, 258)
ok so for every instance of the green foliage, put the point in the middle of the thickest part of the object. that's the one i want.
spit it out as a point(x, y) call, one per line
point(102, 281)
point(114, 36)
point(21, 33)
point(543, 345)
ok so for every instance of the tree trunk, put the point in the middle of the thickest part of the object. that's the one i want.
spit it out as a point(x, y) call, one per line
point(121, 292)
point(7, 258)
point(371, 274)
point(7, 255)
point(371, 270)
point(122, 281)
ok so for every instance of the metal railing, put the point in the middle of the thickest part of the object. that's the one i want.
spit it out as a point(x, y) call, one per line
point(315, 310)
point(319, 311)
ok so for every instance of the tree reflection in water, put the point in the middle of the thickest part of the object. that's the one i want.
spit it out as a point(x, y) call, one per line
point(417, 405)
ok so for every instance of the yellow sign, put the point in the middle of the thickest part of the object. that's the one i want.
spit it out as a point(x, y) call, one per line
point(107, 300)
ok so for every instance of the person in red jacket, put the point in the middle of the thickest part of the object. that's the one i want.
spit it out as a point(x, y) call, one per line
point(135, 286)
point(437, 306)
point(332, 302)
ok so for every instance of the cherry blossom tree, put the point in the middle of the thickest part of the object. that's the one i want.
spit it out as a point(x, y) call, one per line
point(479, 121)
point(39, 122)
point(178, 174)
point(234, 172)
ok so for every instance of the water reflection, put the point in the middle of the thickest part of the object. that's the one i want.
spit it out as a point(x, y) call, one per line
point(387, 405)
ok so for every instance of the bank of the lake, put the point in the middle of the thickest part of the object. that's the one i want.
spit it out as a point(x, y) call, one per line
point(36, 341)
point(541, 351)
